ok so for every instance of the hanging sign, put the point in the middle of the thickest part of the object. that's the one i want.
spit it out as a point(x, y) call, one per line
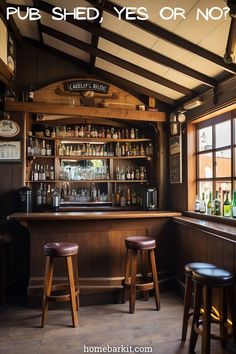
point(86, 85)
point(9, 128)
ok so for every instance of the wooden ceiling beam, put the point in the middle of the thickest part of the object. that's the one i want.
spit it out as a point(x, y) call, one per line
point(36, 5)
point(170, 37)
point(116, 61)
point(135, 47)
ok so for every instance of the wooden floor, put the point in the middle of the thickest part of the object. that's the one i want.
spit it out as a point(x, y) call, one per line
point(99, 326)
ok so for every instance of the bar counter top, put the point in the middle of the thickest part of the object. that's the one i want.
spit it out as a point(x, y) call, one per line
point(93, 215)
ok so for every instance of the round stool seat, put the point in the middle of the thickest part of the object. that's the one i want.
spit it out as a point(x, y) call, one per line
point(5, 238)
point(190, 267)
point(212, 277)
point(140, 243)
point(60, 249)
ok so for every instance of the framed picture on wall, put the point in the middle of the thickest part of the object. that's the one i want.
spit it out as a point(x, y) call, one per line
point(175, 146)
point(10, 151)
point(3, 41)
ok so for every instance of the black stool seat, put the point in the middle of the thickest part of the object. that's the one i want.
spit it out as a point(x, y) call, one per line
point(214, 276)
point(60, 249)
point(190, 267)
point(140, 243)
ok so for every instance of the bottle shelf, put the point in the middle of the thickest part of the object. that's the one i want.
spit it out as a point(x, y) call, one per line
point(75, 158)
point(91, 181)
point(89, 140)
point(40, 157)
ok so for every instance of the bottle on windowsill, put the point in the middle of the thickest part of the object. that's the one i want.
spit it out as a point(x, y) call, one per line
point(197, 205)
point(234, 205)
point(227, 206)
point(217, 204)
point(203, 204)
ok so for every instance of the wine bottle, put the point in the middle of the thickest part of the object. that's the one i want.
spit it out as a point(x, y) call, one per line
point(209, 205)
point(203, 204)
point(217, 204)
point(234, 205)
point(227, 207)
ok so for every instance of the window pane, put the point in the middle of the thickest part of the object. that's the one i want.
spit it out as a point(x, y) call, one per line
point(223, 134)
point(206, 188)
point(223, 163)
point(205, 166)
point(205, 139)
point(222, 188)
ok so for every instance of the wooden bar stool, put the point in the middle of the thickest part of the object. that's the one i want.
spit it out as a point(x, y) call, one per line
point(65, 250)
point(146, 246)
point(205, 280)
point(188, 269)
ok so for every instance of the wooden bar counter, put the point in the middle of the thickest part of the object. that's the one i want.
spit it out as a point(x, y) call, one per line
point(100, 236)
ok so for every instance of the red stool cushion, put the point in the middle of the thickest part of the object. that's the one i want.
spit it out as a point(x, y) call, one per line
point(140, 243)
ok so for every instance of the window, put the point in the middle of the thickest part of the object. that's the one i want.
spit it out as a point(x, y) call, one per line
point(216, 156)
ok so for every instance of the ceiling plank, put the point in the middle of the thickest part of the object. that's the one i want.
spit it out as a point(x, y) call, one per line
point(135, 47)
point(36, 5)
point(115, 60)
point(170, 37)
point(117, 80)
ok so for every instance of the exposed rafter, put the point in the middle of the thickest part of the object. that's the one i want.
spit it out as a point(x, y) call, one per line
point(135, 47)
point(115, 60)
point(170, 37)
point(36, 5)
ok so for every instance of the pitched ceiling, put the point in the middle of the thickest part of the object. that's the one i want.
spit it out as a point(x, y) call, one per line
point(172, 61)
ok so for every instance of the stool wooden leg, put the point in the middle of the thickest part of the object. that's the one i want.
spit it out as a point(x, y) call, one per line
point(196, 315)
point(207, 296)
point(3, 280)
point(127, 274)
point(187, 305)
point(47, 287)
point(72, 291)
point(77, 281)
point(134, 264)
point(223, 318)
point(232, 305)
point(144, 271)
point(155, 279)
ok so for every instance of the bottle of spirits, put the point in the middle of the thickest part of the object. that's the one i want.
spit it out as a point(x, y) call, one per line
point(217, 204)
point(36, 173)
point(52, 173)
point(128, 197)
point(44, 194)
point(234, 205)
point(55, 200)
point(39, 200)
point(227, 206)
point(132, 133)
point(122, 199)
point(209, 205)
point(203, 204)
point(197, 204)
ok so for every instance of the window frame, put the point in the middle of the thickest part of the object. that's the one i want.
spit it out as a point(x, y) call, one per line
point(231, 116)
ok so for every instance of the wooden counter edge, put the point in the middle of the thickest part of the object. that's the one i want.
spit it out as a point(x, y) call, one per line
point(216, 229)
point(91, 215)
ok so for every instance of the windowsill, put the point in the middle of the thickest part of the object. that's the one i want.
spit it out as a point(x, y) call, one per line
point(208, 224)
point(214, 218)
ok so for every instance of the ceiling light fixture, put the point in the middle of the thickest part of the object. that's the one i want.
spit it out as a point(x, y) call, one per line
point(193, 104)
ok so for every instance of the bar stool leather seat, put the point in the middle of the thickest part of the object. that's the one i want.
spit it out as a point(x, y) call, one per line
point(205, 281)
point(214, 276)
point(188, 270)
point(140, 243)
point(52, 293)
point(60, 249)
point(144, 246)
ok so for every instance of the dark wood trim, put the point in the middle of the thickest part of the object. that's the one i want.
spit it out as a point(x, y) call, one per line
point(11, 21)
point(135, 47)
point(171, 38)
point(95, 38)
point(115, 60)
point(5, 73)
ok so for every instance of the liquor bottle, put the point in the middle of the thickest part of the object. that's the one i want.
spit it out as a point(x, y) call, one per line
point(227, 206)
point(234, 205)
point(81, 132)
point(132, 133)
point(203, 204)
point(142, 151)
point(52, 173)
point(134, 198)
point(48, 150)
point(126, 133)
point(117, 197)
point(36, 173)
point(39, 199)
point(132, 174)
point(128, 197)
point(197, 204)
point(122, 199)
point(137, 174)
point(47, 173)
point(49, 195)
point(53, 133)
point(136, 133)
point(128, 175)
point(55, 200)
point(44, 195)
point(142, 175)
point(217, 204)
point(29, 149)
point(209, 205)
point(47, 131)
point(30, 94)
point(62, 195)
point(43, 149)
point(43, 173)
